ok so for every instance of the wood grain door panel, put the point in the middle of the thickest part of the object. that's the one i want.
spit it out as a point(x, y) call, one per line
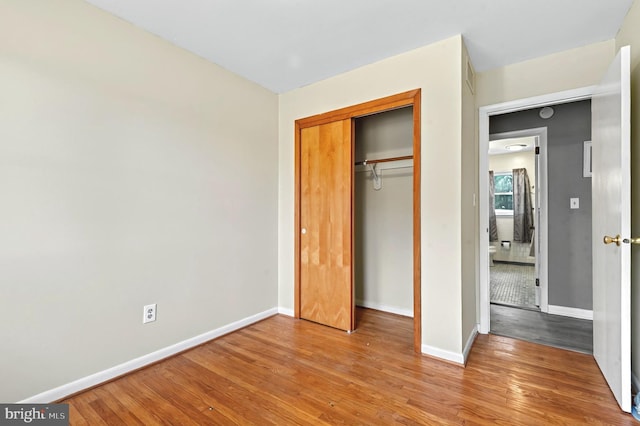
point(326, 224)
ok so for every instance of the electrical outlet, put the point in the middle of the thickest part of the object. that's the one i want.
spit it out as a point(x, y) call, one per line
point(149, 313)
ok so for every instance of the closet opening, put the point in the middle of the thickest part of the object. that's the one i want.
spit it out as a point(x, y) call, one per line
point(326, 245)
point(383, 209)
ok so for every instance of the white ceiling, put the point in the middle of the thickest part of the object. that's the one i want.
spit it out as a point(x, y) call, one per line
point(286, 44)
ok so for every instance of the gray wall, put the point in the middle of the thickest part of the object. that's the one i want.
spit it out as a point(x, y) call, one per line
point(569, 230)
point(384, 218)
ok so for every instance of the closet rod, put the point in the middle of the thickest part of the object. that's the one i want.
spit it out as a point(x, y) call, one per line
point(384, 160)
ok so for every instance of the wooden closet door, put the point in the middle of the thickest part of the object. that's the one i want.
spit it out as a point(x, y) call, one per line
point(326, 225)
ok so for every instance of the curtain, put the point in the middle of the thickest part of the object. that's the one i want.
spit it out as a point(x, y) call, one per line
point(493, 226)
point(522, 208)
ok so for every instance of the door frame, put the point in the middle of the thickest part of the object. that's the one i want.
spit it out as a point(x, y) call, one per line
point(410, 98)
point(541, 216)
point(483, 190)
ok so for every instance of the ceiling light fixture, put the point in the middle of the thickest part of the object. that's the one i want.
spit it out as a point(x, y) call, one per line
point(516, 147)
point(546, 112)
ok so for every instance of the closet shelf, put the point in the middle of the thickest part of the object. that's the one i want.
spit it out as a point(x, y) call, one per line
point(384, 160)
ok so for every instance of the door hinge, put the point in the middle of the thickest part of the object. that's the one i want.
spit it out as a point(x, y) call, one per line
point(537, 282)
point(537, 150)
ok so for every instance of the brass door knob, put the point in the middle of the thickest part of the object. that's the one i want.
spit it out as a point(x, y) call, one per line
point(608, 240)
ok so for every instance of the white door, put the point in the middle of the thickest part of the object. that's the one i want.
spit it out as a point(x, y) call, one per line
point(611, 192)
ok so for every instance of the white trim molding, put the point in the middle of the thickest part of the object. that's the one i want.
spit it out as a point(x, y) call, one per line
point(470, 340)
point(81, 384)
point(571, 312)
point(385, 308)
point(286, 311)
point(455, 357)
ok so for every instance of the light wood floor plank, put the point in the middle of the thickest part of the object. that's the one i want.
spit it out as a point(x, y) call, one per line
point(284, 371)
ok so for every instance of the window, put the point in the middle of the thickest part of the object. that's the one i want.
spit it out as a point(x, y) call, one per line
point(503, 187)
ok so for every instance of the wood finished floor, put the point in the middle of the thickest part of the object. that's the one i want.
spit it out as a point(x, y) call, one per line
point(284, 371)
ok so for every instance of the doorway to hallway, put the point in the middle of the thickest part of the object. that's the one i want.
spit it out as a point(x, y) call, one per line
point(556, 249)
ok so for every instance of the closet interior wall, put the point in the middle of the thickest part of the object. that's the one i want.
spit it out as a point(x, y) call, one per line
point(383, 218)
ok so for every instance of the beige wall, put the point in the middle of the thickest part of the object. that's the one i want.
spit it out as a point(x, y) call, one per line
point(435, 69)
point(630, 35)
point(469, 214)
point(508, 162)
point(561, 71)
point(132, 173)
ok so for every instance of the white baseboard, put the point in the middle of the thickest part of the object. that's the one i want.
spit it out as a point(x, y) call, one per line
point(385, 308)
point(286, 311)
point(467, 347)
point(76, 386)
point(442, 354)
point(452, 356)
point(571, 312)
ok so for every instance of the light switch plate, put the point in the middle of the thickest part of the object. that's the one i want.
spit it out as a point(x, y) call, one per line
point(574, 203)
